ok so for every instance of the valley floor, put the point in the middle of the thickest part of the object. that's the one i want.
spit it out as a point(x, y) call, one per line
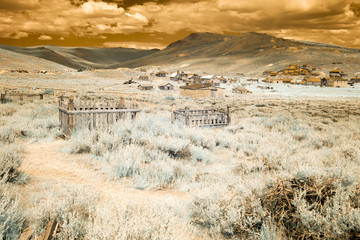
point(150, 179)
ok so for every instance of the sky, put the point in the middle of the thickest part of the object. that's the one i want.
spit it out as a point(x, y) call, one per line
point(147, 24)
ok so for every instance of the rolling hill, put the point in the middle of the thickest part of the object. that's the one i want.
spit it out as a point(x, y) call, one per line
point(80, 58)
point(10, 60)
point(250, 53)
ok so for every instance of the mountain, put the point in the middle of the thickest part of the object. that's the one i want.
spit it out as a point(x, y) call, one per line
point(249, 53)
point(79, 58)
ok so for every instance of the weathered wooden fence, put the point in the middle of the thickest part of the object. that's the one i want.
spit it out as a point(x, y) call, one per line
point(73, 115)
point(201, 118)
point(8, 97)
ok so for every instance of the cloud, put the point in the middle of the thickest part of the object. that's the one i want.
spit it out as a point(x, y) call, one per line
point(355, 8)
point(19, 5)
point(137, 45)
point(330, 20)
point(44, 37)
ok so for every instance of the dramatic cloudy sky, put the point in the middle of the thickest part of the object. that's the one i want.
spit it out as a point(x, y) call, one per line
point(156, 23)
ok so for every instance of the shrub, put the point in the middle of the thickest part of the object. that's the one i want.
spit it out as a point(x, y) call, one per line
point(48, 91)
point(10, 161)
point(70, 205)
point(11, 217)
point(170, 98)
point(147, 220)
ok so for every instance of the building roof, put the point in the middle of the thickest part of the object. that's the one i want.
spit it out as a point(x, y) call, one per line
point(338, 79)
point(207, 77)
point(313, 79)
point(145, 85)
point(173, 74)
point(164, 84)
point(240, 89)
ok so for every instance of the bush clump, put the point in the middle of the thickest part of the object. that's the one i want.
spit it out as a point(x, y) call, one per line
point(307, 208)
point(10, 161)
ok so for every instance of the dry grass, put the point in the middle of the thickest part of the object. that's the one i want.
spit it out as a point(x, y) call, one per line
point(287, 170)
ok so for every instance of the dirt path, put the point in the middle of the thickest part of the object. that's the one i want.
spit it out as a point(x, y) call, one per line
point(45, 163)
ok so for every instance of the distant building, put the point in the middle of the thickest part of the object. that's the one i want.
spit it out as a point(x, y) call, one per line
point(144, 78)
point(233, 80)
point(336, 73)
point(161, 74)
point(271, 80)
point(337, 82)
point(145, 87)
point(201, 91)
point(207, 78)
point(174, 76)
point(166, 86)
point(334, 82)
point(216, 82)
point(240, 90)
point(296, 70)
point(312, 81)
point(355, 80)
point(178, 76)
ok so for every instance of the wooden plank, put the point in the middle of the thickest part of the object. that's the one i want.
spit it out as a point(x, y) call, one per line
point(50, 230)
point(103, 111)
point(27, 234)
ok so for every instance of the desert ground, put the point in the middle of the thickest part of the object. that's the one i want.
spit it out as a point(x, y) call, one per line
point(286, 167)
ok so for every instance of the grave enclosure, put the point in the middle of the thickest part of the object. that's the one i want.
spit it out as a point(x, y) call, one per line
point(202, 118)
point(74, 115)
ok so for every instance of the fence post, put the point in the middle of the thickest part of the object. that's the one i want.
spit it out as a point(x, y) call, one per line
point(187, 116)
point(3, 97)
point(173, 106)
point(228, 114)
point(71, 107)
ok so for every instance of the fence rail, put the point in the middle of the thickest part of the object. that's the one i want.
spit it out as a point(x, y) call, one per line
point(73, 115)
point(202, 118)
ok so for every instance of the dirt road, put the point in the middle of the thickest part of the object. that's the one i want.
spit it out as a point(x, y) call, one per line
point(45, 163)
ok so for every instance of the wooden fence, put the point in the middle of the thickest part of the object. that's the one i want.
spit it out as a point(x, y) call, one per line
point(73, 115)
point(201, 118)
point(8, 97)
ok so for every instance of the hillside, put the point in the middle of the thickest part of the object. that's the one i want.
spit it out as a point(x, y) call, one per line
point(11, 60)
point(250, 53)
point(79, 58)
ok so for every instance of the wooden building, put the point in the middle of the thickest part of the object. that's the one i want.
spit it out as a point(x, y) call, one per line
point(336, 74)
point(312, 81)
point(280, 80)
point(240, 89)
point(161, 74)
point(143, 77)
point(166, 86)
point(337, 82)
point(145, 87)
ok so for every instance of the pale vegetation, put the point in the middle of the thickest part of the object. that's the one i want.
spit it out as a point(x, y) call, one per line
point(289, 170)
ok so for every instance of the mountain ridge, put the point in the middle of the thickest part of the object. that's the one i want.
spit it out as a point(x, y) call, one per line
point(248, 52)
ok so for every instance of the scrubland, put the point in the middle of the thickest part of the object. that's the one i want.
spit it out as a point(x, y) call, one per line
point(283, 169)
